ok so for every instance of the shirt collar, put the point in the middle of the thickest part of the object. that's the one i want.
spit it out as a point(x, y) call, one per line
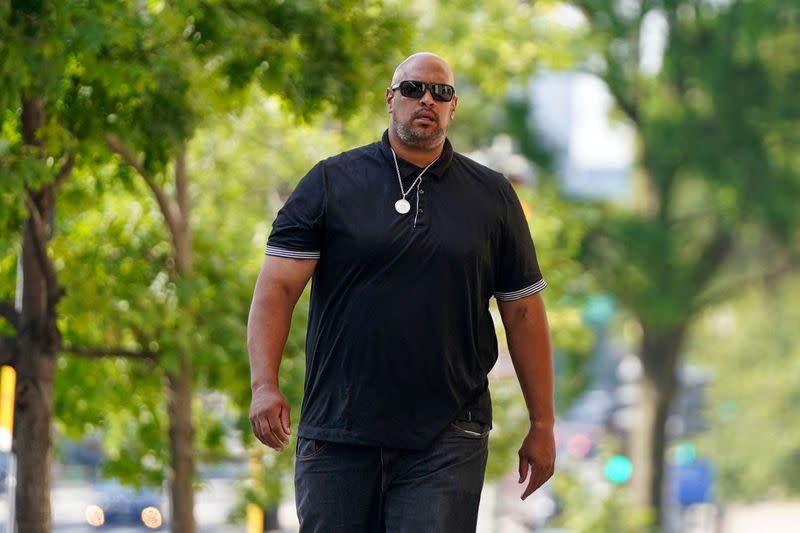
point(437, 169)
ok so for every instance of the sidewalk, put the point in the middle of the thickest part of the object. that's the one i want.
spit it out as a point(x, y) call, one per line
point(774, 517)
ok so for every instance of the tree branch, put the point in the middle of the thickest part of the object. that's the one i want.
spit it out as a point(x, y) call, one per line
point(182, 239)
point(9, 313)
point(38, 233)
point(591, 11)
point(627, 106)
point(712, 258)
point(689, 218)
point(182, 184)
point(732, 288)
point(164, 203)
point(100, 352)
point(65, 170)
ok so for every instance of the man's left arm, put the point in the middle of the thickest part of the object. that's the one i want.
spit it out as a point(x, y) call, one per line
point(528, 335)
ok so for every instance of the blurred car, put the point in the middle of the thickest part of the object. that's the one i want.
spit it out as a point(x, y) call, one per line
point(117, 504)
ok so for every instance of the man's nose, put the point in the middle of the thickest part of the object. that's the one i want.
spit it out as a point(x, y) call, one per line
point(427, 98)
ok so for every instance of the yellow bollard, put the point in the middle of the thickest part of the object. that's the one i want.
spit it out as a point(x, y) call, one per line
point(255, 519)
point(8, 385)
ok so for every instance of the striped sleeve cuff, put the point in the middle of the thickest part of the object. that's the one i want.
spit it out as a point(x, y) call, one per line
point(522, 293)
point(292, 254)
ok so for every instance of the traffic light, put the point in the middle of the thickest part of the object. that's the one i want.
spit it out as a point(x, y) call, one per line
point(599, 310)
point(685, 453)
point(618, 469)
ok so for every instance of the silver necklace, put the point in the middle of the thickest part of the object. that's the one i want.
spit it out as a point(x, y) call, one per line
point(402, 206)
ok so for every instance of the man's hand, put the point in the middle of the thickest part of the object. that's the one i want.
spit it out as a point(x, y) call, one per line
point(537, 453)
point(269, 417)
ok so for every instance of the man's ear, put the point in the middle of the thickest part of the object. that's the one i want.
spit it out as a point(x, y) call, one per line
point(389, 99)
point(453, 107)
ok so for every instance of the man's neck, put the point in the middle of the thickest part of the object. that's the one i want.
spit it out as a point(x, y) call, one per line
point(418, 156)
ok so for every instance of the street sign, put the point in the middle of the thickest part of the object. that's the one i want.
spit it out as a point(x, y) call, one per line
point(693, 482)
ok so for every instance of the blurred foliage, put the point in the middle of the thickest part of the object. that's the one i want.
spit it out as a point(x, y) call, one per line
point(262, 90)
point(716, 121)
point(588, 512)
point(122, 298)
point(124, 295)
point(715, 138)
point(310, 53)
point(492, 47)
point(588, 502)
point(151, 73)
point(751, 343)
point(558, 230)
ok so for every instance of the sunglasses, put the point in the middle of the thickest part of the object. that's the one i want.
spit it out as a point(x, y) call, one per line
point(416, 89)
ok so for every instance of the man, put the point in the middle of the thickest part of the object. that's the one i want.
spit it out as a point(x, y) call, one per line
point(406, 242)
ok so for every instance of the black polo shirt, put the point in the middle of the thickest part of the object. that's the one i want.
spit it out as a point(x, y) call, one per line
point(400, 338)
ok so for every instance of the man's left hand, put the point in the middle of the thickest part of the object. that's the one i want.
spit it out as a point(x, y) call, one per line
point(537, 457)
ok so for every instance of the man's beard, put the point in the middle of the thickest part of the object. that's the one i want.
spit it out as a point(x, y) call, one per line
point(419, 137)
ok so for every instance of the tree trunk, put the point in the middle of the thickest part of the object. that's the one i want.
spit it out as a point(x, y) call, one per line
point(649, 446)
point(34, 402)
point(181, 431)
point(179, 384)
point(39, 342)
point(659, 355)
point(179, 401)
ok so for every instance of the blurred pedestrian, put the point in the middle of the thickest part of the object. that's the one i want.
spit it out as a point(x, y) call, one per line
point(406, 241)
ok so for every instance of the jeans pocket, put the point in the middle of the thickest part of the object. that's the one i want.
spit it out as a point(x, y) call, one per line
point(472, 429)
point(309, 448)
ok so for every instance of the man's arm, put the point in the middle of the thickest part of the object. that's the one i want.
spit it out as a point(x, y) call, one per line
point(528, 335)
point(279, 285)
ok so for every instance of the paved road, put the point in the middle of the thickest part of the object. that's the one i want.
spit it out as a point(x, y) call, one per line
point(69, 501)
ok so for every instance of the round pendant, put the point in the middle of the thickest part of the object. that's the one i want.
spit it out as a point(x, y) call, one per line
point(402, 206)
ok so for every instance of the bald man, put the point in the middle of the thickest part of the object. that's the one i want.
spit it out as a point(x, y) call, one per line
point(406, 241)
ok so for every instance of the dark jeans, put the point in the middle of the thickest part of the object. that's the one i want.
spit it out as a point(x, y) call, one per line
point(343, 488)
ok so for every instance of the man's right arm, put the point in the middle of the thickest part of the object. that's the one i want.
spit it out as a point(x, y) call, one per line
point(279, 285)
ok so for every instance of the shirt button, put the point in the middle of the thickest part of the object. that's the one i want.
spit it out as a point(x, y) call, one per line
point(421, 211)
point(421, 191)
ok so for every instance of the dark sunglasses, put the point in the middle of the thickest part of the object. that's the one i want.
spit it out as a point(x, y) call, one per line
point(416, 89)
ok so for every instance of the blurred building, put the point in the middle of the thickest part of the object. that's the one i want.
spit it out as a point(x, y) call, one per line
point(594, 152)
point(573, 113)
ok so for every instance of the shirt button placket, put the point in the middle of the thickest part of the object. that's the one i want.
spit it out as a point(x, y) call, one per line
point(421, 212)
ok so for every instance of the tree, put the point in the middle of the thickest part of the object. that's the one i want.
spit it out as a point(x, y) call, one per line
point(716, 124)
point(751, 345)
point(323, 63)
point(88, 76)
point(45, 131)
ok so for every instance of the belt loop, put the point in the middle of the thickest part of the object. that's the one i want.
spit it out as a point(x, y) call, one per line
point(469, 416)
